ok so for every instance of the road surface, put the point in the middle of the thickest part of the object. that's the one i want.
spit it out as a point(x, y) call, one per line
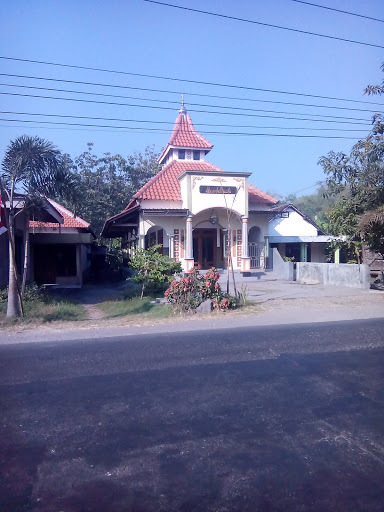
point(286, 418)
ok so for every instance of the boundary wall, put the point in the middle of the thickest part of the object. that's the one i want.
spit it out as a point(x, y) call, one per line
point(333, 274)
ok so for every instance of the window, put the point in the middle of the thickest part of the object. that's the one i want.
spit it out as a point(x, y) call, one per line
point(196, 155)
point(181, 154)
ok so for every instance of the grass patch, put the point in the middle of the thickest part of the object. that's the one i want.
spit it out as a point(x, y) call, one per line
point(135, 307)
point(44, 309)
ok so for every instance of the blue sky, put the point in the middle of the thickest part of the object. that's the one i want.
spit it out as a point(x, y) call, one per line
point(139, 37)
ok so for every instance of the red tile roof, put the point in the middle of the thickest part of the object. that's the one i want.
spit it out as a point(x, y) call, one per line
point(256, 195)
point(184, 135)
point(165, 186)
point(70, 221)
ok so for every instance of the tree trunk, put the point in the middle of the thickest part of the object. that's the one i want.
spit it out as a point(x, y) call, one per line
point(26, 256)
point(13, 306)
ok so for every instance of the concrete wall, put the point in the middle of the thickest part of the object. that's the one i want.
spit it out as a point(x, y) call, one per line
point(282, 269)
point(342, 274)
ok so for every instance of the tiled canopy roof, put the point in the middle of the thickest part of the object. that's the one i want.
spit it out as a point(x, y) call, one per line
point(70, 221)
point(184, 135)
point(256, 195)
point(165, 186)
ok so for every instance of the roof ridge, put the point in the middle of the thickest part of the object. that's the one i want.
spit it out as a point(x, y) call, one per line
point(68, 212)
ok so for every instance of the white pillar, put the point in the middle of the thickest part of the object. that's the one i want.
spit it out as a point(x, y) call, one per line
point(188, 260)
point(245, 259)
point(171, 246)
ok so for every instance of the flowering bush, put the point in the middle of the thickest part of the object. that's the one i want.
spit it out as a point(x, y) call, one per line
point(186, 294)
point(189, 292)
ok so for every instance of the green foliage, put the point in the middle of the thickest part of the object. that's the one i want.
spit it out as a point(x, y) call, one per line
point(105, 184)
point(313, 205)
point(186, 294)
point(34, 166)
point(189, 292)
point(152, 268)
point(357, 181)
point(378, 119)
point(140, 308)
point(242, 295)
point(41, 307)
point(372, 229)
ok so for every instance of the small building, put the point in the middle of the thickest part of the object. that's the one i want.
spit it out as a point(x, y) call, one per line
point(44, 212)
point(60, 252)
point(204, 216)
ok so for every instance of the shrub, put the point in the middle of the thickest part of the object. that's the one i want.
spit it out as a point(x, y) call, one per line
point(152, 268)
point(189, 292)
point(186, 294)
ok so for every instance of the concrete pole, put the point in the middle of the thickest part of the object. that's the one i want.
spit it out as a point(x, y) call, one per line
point(171, 246)
point(188, 260)
point(245, 259)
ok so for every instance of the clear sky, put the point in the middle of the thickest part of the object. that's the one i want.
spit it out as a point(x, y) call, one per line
point(134, 36)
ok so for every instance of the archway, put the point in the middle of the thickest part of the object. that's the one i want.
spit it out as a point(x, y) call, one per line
point(155, 236)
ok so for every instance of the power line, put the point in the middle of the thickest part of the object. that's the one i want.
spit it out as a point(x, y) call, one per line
point(67, 116)
point(338, 10)
point(191, 110)
point(333, 107)
point(163, 130)
point(177, 103)
point(244, 20)
point(214, 84)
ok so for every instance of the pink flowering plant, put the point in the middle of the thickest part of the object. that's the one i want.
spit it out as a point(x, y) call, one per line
point(189, 292)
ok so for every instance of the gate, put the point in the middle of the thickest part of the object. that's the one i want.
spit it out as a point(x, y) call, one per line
point(256, 253)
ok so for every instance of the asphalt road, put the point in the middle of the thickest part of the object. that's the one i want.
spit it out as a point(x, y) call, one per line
point(287, 418)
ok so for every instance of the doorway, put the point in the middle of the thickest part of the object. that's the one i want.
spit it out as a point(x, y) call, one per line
point(204, 248)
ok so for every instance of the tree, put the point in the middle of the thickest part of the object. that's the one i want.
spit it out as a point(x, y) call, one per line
point(152, 268)
point(107, 183)
point(357, 180)
point(35, 167)
point(315, 205)
point(378, 119)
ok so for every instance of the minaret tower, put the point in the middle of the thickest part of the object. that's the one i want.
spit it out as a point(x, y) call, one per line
point(185, 142)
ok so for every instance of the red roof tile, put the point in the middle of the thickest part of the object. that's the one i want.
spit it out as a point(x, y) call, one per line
point(70, 221)
point(256, 195)
point(165, 186)
point(184, 135)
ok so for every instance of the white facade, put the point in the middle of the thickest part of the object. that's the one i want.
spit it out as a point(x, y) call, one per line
point(203, 216)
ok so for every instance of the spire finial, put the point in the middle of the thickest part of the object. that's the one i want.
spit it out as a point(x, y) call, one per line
point(182, 109)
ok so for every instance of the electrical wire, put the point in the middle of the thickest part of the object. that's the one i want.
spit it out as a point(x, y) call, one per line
point(339, 10)
point(71, 91)
point(164, 130)
point(214, 84)
point(269, 25)
point(191, 110)
point(67, 116)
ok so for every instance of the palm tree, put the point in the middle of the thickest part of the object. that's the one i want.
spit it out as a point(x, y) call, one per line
point(34, 167)
point(372, 231)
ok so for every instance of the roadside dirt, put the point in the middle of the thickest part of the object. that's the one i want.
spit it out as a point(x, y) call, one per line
point(271, 311)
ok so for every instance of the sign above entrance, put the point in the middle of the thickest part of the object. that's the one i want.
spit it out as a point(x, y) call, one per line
point(214, 189)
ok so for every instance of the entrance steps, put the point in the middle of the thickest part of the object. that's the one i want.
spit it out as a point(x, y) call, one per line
point(256, 274)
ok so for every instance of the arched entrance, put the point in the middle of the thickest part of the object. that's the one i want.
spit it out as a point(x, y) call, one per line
point(212, 241)
point(155, 236)
point(205, 247)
